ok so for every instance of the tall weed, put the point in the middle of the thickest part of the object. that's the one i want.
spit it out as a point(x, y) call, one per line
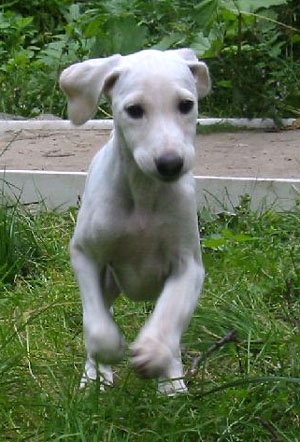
point(27, 243)
point(17, 241)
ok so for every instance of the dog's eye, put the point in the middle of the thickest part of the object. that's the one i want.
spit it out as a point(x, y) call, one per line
point(135, 111)
point(185, 106)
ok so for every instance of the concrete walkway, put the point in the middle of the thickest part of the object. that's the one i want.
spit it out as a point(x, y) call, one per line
point(237, 154)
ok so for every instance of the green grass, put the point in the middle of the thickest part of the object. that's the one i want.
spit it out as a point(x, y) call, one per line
point(245, 390)
point(207, 129)
point(218, 128)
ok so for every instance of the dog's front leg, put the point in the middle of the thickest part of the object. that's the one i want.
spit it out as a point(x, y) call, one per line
point(156, 351)
point(103, 341)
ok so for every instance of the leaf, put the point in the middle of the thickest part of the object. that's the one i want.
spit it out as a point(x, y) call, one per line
point(168, 41)
point(201, 44)
point(227, 234)
point(238, 237)
point(295, 38)
point(4, 25)
point(218, 241)
point(266, 22)
point(23, 22)
point(237, 6)
point(214, 241)
point(262, 4)
point(206, 47)
point(122, 35)
point(93, 26)
point(227, 84)
point(73, 13)
point(275, 49)
point(206, 12)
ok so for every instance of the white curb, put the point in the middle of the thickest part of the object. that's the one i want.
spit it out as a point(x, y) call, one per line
point(256, 123)
point(224, 193)
point(56, 190)
point(9, 125)
point(61, 190)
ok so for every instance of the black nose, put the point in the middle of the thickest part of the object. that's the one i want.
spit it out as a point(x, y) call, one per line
point(169, 165)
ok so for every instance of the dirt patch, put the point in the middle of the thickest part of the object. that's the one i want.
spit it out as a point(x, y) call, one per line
point(244, 154)
point(249, 154)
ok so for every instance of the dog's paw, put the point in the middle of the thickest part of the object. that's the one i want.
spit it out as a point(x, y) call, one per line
point(105, 374)
point(171, 387)
point(105, 343)
point(150, 357)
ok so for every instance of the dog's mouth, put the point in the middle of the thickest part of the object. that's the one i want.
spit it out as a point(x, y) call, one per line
point(170, 179)
point(167, 168)
point(154, 174)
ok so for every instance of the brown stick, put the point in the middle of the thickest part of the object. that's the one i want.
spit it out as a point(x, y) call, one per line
point(229, 337)
point(269, 426)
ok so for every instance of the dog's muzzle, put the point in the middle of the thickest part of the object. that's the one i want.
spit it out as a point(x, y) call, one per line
point(169, 166)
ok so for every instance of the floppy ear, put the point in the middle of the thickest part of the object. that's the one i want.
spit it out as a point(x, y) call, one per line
point(84, 82)
point(198, 68)
point(202, 77)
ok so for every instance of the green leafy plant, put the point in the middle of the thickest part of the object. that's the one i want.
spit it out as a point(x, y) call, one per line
point(252, 48)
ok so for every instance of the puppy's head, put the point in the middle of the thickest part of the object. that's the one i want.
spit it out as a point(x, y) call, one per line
point(154, 97)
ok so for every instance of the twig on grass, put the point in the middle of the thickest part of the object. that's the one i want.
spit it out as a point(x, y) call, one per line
point(269, 427)
point(248, 381)
point(229, 337)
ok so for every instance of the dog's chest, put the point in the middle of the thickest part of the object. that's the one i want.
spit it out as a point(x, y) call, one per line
point(141, 255)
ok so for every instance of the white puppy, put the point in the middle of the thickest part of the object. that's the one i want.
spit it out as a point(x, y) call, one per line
point(137, 229)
